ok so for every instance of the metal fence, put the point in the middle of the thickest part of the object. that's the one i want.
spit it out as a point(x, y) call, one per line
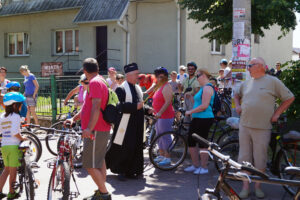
point(51, 95)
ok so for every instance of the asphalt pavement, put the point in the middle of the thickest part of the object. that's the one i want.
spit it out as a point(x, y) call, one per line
point(155, 184)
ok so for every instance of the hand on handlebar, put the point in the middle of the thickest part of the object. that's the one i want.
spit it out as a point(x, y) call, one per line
point(68, 123)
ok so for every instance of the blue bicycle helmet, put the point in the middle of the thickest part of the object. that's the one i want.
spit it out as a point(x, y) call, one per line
point(224, 61)
point(13, 97)
point(161, 70)
point(13, 84)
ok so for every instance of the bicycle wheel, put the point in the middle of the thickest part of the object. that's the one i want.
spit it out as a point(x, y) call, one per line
point(34, 151)
point(230, 148)
point(290, 156)
point(225, 109)
point(59, 184)
point(177, 149)
point(226, 136)
point(39, 148)
point(28, 183)
point(52, 140)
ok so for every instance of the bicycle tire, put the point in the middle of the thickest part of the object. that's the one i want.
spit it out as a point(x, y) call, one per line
point(40, 147)
point(59, 126)
point(28, 183)
point(37, 149)
point(177, 139)
point(230, 148)
point(65, 186)
point(225, 109)
point(226, 136)
point(283, 161)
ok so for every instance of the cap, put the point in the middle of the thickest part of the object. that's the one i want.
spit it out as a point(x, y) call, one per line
point(224, 61)
point(182, 67)
point(192, 64)
point(130, 67)
point(13, 97)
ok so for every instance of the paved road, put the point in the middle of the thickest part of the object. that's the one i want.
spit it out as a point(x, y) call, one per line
point(156, 184)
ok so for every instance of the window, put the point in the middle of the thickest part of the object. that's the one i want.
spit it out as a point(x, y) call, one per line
point(18, 44)
point(66, 41)
point(216, 47)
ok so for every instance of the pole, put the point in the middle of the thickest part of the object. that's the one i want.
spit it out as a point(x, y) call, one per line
point(241, 43)
point(53, 98)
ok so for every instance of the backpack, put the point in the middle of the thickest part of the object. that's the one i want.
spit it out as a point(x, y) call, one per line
point(216, 107)
point(110, 113)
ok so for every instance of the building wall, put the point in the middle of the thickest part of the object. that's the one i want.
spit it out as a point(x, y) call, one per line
point(270, 48)
point(154, 27)
point(295, 56)
point(40, 28)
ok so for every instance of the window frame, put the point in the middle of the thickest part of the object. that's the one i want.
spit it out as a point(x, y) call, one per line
point(213, 51)
point(16, 44)
point(74, 52)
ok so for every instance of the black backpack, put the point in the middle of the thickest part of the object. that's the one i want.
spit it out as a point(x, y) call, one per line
point(216, 107)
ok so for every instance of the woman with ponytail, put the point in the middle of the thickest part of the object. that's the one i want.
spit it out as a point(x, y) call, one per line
point(164, 112)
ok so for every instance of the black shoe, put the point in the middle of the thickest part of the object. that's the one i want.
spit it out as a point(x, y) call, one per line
point(2, 195)
point(121, 177)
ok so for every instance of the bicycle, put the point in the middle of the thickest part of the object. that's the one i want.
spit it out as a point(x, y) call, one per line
point(59, 126)
point(63, 167)
point(283, 152)
point(178, 145)
point(25, 175)
point(225, 174)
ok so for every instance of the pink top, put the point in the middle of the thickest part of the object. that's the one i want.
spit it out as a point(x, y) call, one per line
point(97, 90)
point(159, 101)
point(80, 94)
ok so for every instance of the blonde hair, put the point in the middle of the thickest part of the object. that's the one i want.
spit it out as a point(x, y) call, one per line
point(174, 72)
point(205, 71)
point(24, 68)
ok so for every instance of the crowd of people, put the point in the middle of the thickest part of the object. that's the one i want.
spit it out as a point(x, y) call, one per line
point(255, 101)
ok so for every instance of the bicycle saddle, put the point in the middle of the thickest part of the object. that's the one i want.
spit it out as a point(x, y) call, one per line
point(292, 170)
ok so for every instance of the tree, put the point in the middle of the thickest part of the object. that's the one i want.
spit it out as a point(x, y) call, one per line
point(217, 16)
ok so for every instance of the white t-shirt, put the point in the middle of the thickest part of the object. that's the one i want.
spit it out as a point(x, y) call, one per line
point(181, 78)
point(3, 85)
point(9, 127)
point(227, 75)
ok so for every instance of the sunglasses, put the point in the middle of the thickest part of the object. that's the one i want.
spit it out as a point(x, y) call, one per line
point(251, 65)
point(198, 75)
point(86, 83)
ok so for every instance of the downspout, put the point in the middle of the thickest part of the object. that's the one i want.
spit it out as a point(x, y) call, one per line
point(178, 33)
point(125, 29)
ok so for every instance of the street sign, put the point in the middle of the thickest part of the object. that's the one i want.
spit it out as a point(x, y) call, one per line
point(52, 68)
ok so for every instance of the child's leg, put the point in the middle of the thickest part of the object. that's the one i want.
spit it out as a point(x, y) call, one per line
point(3, 178)
point(12, 178)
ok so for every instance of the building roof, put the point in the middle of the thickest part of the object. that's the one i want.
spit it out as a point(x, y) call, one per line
point(101, 10)
point(90, 10)
point(296, 50)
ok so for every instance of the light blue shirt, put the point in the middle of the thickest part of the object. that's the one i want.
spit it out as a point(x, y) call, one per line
point(208, 113)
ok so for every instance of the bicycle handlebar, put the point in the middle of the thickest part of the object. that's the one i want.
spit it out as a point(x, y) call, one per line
point(53, 129)
point(212, 148)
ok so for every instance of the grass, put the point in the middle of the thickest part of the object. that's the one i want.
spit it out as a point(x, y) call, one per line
point(44, 107)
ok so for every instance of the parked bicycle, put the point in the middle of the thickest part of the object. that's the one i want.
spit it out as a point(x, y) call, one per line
point(222, 186)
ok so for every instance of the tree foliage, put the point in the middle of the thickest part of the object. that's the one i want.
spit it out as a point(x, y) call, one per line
point(291, 78)
point(217, 16)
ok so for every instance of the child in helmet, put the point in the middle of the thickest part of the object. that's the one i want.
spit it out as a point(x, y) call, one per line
point(15, 87)
point(10, 122)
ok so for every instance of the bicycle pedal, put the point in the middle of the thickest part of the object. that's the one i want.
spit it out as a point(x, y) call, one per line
point(50, 165)
point(15, 185)
point(74, 194)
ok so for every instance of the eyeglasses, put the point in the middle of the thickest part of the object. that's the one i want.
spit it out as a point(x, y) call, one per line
point(198, 75)
point(86, 83)
point(251, 65)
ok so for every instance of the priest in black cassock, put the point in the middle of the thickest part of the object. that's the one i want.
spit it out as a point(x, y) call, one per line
point(125, 154)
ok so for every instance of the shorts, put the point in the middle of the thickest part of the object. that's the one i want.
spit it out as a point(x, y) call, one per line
point(94, 151)
point(201, 127)
point(254, 145)
point(31, 101)
point(11, 155)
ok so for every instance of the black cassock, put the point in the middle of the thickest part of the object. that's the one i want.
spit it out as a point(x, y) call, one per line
point(128, 159)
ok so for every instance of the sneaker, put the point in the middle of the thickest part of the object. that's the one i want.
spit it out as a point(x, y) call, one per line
point(166, 161)
point(197, 171)
point(2, 195)
point(191, 168)
point(204, 171)
point(244, 194)
point(159, 159)
point(259, 193)
point(13, 195)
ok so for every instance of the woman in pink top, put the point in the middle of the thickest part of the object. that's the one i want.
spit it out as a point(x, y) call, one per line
point(162, 105)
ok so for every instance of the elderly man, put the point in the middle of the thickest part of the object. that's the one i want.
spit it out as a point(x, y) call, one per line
point(255, 102)
point(125, 155)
